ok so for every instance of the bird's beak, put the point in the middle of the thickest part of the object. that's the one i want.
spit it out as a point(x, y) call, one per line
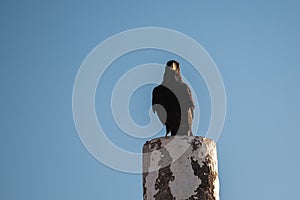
point(174, 67)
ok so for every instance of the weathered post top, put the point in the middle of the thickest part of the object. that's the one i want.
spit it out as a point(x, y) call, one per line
point(180, 167)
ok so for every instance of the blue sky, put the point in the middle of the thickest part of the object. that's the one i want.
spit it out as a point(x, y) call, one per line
point(255, 45)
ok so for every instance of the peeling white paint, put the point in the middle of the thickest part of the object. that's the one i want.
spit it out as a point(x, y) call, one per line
point(184, 177)
point(182, 168)
point(181, 149)
point(153, 168)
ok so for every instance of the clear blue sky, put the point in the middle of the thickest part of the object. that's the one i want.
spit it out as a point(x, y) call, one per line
point(255, 45)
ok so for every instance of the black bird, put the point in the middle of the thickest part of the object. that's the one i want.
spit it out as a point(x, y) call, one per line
point(173, 102)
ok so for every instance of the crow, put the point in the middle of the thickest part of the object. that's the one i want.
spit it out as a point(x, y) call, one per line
point(173, 102)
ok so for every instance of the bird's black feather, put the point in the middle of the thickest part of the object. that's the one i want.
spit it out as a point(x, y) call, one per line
point(173, 102)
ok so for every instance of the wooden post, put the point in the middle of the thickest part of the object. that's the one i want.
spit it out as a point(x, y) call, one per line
point(180, 167)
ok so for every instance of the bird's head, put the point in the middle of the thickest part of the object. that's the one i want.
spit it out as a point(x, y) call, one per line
point(173, 65)
point(172, 72)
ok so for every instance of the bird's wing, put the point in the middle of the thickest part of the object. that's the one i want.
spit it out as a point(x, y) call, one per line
point(155, 98)
point(157, 104)
point(191, 104)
